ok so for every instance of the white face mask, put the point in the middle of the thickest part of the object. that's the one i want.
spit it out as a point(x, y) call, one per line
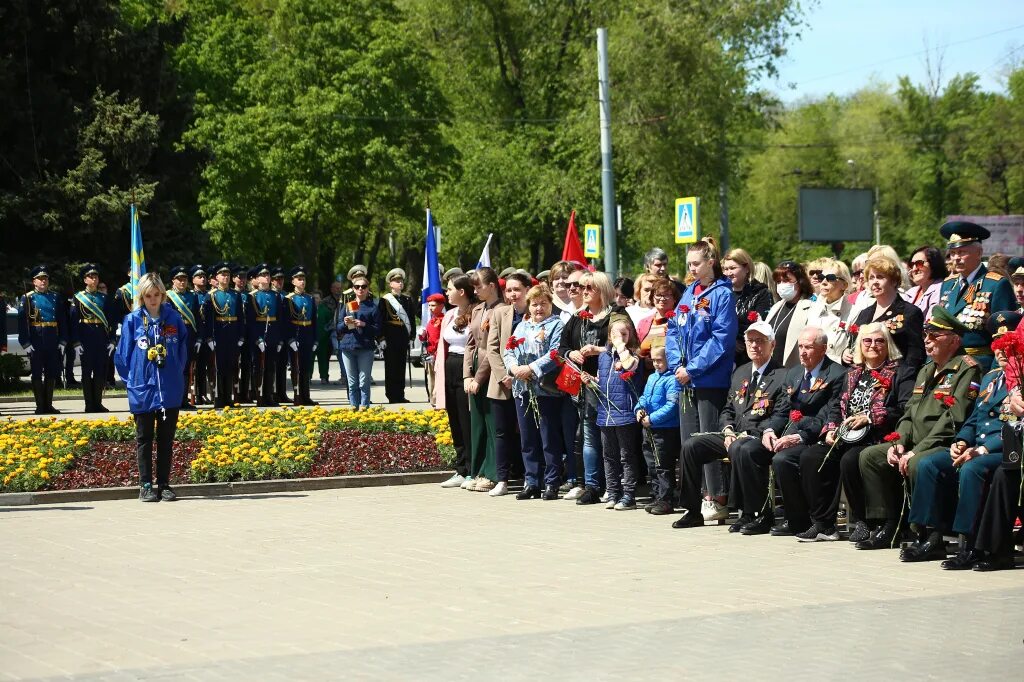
point(787, 290)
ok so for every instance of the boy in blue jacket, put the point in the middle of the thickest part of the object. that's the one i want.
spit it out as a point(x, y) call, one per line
point(658, 412)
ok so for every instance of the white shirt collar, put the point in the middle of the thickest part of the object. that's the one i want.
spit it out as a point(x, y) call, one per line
point(760, 370)
point(816, 370)
point(970, 277)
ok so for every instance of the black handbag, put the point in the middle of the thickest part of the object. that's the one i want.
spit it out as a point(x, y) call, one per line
point(1012, 445)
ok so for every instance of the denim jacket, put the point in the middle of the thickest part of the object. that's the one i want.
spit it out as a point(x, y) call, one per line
point(541, 339)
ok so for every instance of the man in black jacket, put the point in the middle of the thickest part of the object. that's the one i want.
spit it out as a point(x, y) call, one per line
point(810, 389)
point(756, 388)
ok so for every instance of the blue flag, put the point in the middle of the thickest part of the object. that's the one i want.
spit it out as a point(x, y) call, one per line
point(138, 255)
point(431, 274)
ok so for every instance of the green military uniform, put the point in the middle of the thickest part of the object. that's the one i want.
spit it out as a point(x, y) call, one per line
point(942, 400)
point(325, 313)
point(971, 302)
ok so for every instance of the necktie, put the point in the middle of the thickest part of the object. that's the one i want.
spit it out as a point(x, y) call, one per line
point(806, 384)
point(963, 287)
point(753, 384)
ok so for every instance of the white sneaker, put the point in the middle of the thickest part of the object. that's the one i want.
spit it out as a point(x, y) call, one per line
point(610, 503)
point(454, 482)
point(466, 482)
point(499, 490)
point(482, 485)
point(574, 493)
point(712, 511)
point(607, 496)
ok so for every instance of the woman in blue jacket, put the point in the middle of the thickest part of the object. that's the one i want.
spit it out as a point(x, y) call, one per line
point(699, 344)
point(357, 338)
point(151, 358)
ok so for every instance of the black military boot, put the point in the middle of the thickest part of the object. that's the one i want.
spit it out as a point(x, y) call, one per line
point(39, 394)
point(48, 386)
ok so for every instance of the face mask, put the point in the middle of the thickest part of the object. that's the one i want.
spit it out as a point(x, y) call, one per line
point(787, 290)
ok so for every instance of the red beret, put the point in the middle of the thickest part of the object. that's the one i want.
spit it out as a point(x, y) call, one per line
point(435, 298)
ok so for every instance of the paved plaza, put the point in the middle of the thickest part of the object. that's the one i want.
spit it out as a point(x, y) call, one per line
point(420, 583)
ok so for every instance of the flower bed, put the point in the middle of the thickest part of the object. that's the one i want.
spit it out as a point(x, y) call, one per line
point(235, 445)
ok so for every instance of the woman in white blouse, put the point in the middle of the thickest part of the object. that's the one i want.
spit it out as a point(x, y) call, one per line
point(451, 352)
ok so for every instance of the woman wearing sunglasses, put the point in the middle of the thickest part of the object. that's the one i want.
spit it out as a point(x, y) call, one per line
point(832, 307)
point(927, 270)
point(357, 334)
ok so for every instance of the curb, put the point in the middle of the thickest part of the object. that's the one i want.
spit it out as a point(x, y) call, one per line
point(222, 489)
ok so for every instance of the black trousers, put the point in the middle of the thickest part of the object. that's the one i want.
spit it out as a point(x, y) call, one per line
point(663, 445)
point(695, 453)
point(457, 406)
point(507, 447)
point(264, 373)
point(395, 354)
point(706, 404)
point(789, 477)
point(190, 364)
point(749, 487)
point(246, 360)
point(227, 366)
point(202, 373)
point(995, 530)
point(852, 482)
point(164, 426)
point(281, 371)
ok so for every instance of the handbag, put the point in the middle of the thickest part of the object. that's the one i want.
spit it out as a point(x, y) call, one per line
point(568, 380)
point(1012, 446)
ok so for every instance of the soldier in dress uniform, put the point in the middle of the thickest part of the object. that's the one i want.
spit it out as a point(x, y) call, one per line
point(69, 358)
point(91, 336)
point(1016, 268)
point(950, 485)
point(972, 293)
point(225, 332)
point(264, 333)
point(187, 304)
point(240, 278)
point(399, 315)
point(326, 322)
point(42, 333)
point(283, 360)
point(301, 333)
point(200, 287)
point(942, 399)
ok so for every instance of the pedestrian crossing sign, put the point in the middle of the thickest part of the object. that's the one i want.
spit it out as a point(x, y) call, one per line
point(592, 241)
point(687, 215)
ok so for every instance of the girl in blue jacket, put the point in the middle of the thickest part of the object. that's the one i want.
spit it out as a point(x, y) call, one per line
point(658, 412)
point(619, 384)
point(151, 358)
point(699, 344)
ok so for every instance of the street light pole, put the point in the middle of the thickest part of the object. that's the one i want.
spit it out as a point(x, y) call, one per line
point(611, 258)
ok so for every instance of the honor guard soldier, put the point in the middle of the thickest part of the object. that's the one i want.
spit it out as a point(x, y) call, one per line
point(264, 334)
point(200, 287)
point(940, 403)
point(326, 321)
point(281, 368)
point(92, 337)
point(949, 491)
point(42, 333)
point(69, 357)
point(1016, 268)
point(244, 392)
point(399, 326)
point(121, 303)
point(187, 304)
point(301, 333)
point(972, 293)
point(225, 333)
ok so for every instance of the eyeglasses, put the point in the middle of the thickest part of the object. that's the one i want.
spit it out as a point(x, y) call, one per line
point(587, 288)
point(934, 336)
point(662, 297)
point(573, 285)
point(872, 342)
point(858, 273)
point(918, 264)
point(360, 286)
point(831, 277)
point(815, 274)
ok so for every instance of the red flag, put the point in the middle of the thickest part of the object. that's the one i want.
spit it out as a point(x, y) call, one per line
point(572, 250)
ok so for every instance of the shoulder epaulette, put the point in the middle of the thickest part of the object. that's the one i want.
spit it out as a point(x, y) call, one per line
point(289, 295)
point(951, 277)
point(29, 294)
point(994, 275)
point(969, 361)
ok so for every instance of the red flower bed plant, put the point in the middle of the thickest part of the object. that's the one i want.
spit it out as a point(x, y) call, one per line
point(342, 453)
point(113, 465)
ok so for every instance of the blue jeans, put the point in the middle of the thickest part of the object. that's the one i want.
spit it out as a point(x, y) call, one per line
point(593, 462)
point(358, 364)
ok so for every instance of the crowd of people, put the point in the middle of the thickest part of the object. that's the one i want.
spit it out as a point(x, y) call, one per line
point(773, 392)
point(893, 384)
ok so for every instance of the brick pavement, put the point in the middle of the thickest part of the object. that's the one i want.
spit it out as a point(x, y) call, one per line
point(421, 583)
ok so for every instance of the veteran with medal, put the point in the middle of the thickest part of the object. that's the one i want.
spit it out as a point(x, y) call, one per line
point(399, 327)
point(942, 399)
point(972, 292)
point(92, 337)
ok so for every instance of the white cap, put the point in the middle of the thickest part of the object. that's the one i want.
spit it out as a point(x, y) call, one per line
point(761, 327)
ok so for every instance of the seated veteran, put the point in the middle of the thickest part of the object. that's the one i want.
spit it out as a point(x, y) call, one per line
point(950, 485)
point(797, 422)
point(943, 397)
point(756, 387)
point(994, 543)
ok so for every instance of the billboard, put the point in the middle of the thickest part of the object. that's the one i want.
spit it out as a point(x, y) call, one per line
point(836, 215)
point(1007, 232)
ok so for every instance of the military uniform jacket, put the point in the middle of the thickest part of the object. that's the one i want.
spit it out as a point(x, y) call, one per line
point(299, 323)
point(120, 305)
point(750, 407)
point(187, 305)
point(42, 321)
point(940, 404)
point(991, 411)
point(89, 324)
point(263, 319)
point(812, 401)
point(223, 317)
point(989, 292)
point(394, 330)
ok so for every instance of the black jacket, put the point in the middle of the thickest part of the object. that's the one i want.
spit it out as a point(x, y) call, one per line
point(814, 404)
point(749, 407)
point(906, 324)
point(754, 297)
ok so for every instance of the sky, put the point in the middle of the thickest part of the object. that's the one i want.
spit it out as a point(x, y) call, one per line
point(846, 44)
